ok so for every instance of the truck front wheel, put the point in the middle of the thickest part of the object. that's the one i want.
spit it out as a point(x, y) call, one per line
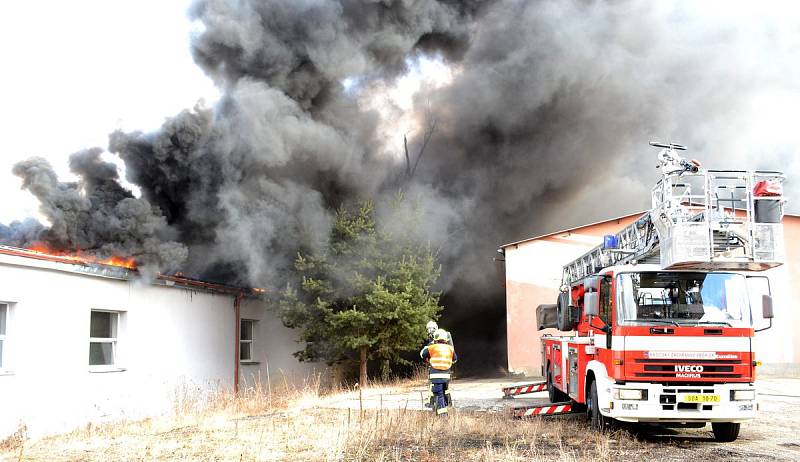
point(599, 421)
point(725, 432)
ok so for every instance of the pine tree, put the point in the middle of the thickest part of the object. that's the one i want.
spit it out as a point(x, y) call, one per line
point(368, 293)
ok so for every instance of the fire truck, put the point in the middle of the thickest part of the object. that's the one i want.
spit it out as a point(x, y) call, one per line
point(659, 319)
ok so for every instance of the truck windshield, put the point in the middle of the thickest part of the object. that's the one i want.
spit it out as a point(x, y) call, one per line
point(683, 299)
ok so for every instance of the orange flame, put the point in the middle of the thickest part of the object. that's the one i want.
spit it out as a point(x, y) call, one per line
point(78, 257)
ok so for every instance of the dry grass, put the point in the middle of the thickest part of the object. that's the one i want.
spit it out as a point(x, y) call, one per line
point(289, 424)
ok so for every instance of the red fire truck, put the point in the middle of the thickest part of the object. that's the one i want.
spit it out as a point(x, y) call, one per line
point(661, 315)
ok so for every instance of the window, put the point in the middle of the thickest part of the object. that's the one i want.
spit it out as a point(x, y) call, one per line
point(605, 300)
point(683, 299)
point(3, 324)
point(246, 340)
point(103, 338)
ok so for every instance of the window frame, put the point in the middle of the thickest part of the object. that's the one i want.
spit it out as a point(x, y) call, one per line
point(250, 341)
point(114, 341)
point(605, 300)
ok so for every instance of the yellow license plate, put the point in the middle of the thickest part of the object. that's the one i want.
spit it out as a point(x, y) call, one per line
point(701, 398)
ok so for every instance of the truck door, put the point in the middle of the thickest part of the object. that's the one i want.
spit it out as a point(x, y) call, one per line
point(556, 366)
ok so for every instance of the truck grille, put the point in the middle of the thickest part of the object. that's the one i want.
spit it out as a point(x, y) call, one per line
point(689, 368)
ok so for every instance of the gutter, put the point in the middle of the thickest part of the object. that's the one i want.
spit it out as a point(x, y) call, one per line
point(237, 308)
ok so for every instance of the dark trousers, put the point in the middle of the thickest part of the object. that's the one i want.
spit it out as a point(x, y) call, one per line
point(439, 390)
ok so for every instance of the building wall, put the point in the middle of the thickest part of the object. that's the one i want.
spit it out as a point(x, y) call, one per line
point(173, 344)
point(273, 345)
point(533, 276)
point(791, 230)
point(779, 347)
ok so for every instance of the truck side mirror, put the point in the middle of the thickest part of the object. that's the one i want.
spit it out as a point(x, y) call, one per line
point(591, 304)
point(766, 306)
point(592, 283)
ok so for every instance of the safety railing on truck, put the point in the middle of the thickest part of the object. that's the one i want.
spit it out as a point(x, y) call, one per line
point(700, 219)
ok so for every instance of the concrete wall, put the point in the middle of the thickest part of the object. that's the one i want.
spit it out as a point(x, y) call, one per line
point(172, 342)
point(533, 275)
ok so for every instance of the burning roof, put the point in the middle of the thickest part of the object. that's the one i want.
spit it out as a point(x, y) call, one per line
point(114, 268)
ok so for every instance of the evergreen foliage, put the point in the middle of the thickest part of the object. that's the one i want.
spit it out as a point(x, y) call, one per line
point(368, 293)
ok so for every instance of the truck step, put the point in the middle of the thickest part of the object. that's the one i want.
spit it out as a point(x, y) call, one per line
point(523, 412)
point(525, 388)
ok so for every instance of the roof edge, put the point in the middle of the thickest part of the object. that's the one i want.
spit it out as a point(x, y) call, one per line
point(522, 241)
point(124, 273)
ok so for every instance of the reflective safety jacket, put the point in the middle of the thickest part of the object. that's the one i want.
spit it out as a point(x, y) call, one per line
point(441, 358)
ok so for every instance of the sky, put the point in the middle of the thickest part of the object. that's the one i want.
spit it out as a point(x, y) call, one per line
point(73, 72)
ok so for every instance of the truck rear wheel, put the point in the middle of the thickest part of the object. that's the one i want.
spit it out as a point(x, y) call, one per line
point(725, 432)
point(598, 421)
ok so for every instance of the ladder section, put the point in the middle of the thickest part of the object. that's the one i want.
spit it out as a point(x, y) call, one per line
point(638, 241)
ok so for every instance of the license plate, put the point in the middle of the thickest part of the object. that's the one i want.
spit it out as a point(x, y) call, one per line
point(700, 398)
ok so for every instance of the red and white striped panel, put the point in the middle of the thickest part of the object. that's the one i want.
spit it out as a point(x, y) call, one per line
point(543, 410)
point(523, 389)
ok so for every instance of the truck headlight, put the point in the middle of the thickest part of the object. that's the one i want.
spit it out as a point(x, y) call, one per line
point(743, 395)
point(630, 393)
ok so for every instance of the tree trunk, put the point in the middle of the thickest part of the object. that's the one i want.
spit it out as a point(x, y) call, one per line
point(362, 375)
point(386, 370)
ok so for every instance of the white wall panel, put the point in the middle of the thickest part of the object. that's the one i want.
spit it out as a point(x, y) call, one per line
point(172, 342)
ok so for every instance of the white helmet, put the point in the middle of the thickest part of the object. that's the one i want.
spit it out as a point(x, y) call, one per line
point(440, 335)
point(431, 327)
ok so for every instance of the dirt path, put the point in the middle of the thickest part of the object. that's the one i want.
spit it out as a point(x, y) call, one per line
point(775, 435)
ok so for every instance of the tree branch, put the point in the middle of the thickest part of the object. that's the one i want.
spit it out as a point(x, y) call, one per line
point(425, 139)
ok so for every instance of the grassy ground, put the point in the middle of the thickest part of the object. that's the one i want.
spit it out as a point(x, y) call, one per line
point(291, 425)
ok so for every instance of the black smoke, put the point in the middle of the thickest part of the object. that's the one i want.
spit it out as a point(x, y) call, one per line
point(97, 215)
point(23, 233)
point(544, 126)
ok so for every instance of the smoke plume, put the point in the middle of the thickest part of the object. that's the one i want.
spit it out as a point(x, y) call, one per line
point(97, 215)
point(543, 126)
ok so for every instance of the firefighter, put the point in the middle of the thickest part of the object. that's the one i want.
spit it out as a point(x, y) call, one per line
point(432, 327)
point(440, 357)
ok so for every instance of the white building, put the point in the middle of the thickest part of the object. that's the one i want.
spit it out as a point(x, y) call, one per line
point(84, 342)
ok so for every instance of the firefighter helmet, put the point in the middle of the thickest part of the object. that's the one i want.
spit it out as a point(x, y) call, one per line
point(440, 335)
point(431, 327)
